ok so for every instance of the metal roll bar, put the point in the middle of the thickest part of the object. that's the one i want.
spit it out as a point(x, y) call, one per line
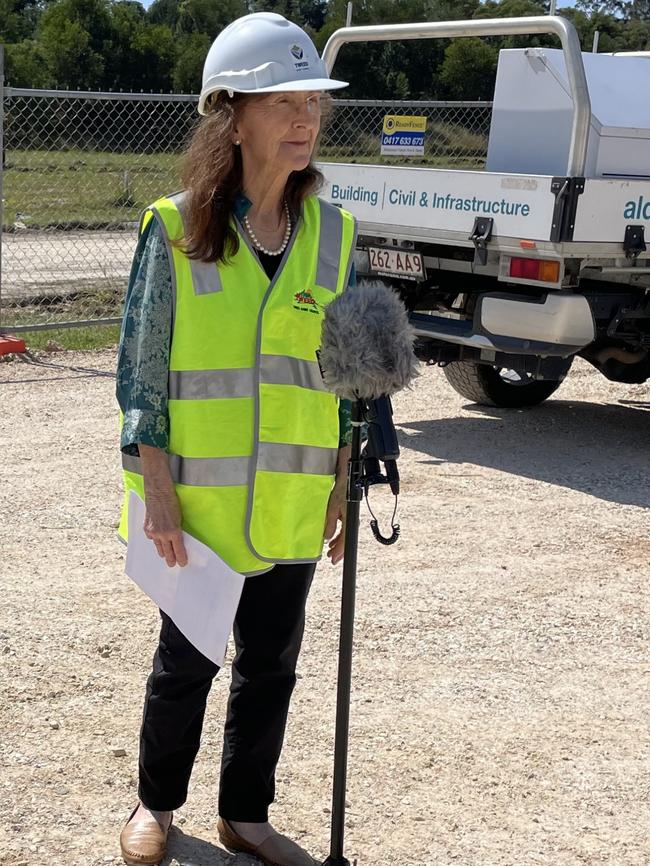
point(554, 24)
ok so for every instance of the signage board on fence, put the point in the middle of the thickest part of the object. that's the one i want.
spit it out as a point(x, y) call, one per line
point(403, 135)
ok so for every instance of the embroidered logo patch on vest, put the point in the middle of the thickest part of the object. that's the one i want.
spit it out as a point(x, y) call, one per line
point(305, 301)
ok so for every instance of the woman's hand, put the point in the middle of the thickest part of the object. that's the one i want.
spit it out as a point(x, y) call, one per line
point(162, 523)
point(336, 508)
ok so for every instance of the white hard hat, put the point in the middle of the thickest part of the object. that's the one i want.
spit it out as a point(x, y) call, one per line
point(262, 53)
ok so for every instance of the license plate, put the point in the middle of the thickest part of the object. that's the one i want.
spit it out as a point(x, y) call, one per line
point(396, 263)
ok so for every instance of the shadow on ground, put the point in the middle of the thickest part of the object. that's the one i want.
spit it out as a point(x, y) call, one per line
point(193, 851)
point(600, 449)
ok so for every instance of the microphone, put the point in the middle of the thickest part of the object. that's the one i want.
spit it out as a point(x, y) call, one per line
point(367, 344)
point(366, 355)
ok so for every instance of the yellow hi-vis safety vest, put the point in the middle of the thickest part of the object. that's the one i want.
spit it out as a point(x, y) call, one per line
point(253, 432)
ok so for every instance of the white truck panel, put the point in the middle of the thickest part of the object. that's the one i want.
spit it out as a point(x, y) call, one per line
point(606, 207)
point(440, 200)
point(532, 113)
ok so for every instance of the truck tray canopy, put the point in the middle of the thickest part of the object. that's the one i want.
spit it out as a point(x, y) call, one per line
point(533, 110)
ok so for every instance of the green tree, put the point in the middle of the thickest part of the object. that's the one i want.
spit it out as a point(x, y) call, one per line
point(208, 17)
point(398, 84)
point(313, 14)
point(154, 47)
point(608, 7)
point(117, 44)
point(188, 70)
point(18, 19)
point(25, 65)
point(469, 68)
point(510, 8)
point(121, 69)
point(637, 35)
point(612, 30)
point(75, 36)
point(374, 68)
point(639, 10)
point(141, 55)
point(516, 9)
point(164, 12)
point(279, 6)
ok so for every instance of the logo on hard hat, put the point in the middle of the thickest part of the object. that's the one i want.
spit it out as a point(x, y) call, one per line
point(297, 51)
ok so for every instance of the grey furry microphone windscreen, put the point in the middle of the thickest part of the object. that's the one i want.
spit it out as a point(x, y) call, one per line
point(367, 344)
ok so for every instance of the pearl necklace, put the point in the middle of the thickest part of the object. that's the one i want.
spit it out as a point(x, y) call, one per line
point(260, 246)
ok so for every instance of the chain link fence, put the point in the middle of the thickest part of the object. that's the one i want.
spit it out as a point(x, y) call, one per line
point(78, 168)
point(456, 134)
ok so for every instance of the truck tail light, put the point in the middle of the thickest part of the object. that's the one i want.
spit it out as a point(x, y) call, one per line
point(543, 270)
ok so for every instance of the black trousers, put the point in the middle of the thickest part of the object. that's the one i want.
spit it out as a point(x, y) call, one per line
point(268, 632)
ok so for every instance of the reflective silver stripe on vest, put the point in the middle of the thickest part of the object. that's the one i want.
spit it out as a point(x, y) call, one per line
point(233, 471)
point(205, 275)
point(329, 246)
point(282, 370)
point(179, 198)
point(210, 384)
point(226, 383)
point(297, 459)
point(131, 463)
point(200, 471)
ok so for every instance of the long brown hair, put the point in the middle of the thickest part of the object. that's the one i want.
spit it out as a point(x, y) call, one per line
point(212, 175)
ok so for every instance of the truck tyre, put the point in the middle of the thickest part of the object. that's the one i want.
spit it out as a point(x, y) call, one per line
point(497, 386)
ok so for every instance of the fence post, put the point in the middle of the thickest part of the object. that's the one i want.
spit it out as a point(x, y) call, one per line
point(2, 161)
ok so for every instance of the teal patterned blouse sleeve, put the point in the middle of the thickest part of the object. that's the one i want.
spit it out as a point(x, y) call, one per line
point(143, 356)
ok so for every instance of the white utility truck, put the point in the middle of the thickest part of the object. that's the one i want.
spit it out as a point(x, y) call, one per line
point(511, 272)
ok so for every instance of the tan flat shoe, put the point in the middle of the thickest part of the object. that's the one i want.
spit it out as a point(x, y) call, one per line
point(144, 843)
point(275, 850)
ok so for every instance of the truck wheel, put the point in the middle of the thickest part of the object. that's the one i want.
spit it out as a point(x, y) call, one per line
point(498, 386)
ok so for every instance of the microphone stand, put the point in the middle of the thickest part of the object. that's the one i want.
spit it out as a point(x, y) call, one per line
point(358, 478)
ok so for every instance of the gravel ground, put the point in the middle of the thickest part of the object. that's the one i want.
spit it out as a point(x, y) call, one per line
point(42, 263)
point(500, 707)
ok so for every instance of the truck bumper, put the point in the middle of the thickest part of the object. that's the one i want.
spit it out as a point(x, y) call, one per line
point(555, 325)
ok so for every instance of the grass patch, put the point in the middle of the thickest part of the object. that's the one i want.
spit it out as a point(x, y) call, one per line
point(50, 188)
point(102, 300)
point(73, 339)
point(425, 161)
point(90, 188)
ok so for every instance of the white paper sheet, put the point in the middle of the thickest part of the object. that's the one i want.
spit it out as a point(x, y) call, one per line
point(201, 598)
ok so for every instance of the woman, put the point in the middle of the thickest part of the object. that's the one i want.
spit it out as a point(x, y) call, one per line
point(228, 431)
